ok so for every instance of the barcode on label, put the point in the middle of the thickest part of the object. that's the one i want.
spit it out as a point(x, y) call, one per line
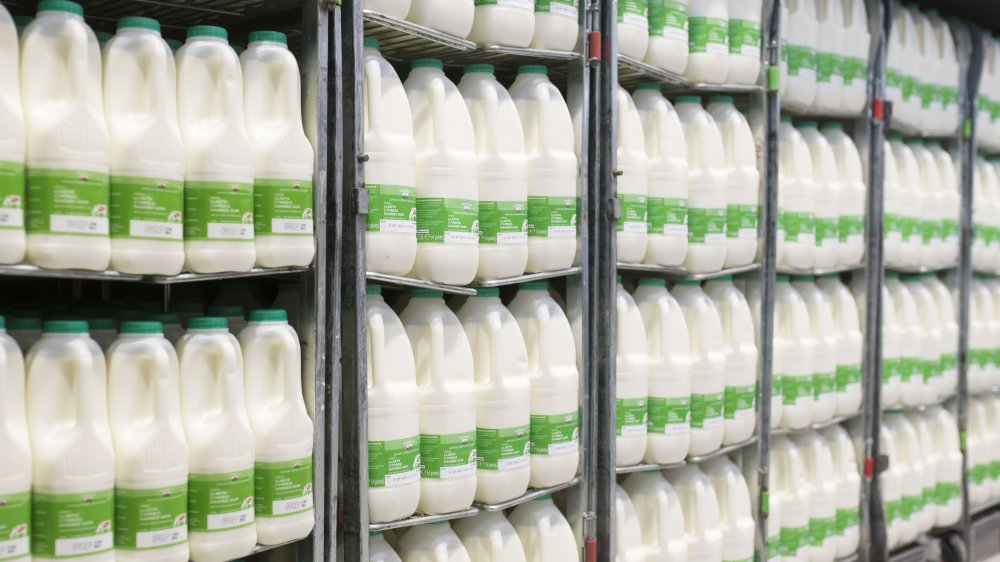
point(230, 231)
point(12, 218)
point(153, 229)
point(292, 226)
point(229, 520)
point(72, 224)
point(294, 505)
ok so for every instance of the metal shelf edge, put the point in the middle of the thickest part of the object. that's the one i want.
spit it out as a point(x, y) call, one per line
point(418, 284)
point(919, 407)
point(26, 270)
point(688, 461)
point(782, 270)
point(528, 277)
point(530, 495)
point(422, 520)
point(681, 273)
point(815, 426)
point(921, 269)
point(807, 111)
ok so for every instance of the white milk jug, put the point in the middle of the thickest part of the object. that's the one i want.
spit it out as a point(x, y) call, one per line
point(949, 333)
point(906, 67)
point(793, 326)
point(750, 472)
point(147, 155)
point(826, 197)
point(660, 516)
point(552, 169)
point(922, 474)
point(12, 241)
point(909, 484)
point(818, 463)
point(824, 356)
point(555, 383)
point(707, 186)
point(751, 283)
point(379, 549)
point(951, 203)
point(851, 198)
point(913, 344)
point(847, 482)
point(978, 460)
point(802, 30)
point(736, 517)
point(830, 48)
point(433, 542)
point(447, 184)
point(633, 28)
point(68, 153)
point(219, 162)
point(934, 346)
point(847, 329)
point(854, 64)
point(151, 499)
point(395, 8)
point(666, 150)
point(449, 16)
point(72, 454)
point(283, 474)
point(702, 520)
point(283, 156)
point(544, 531)
point(393, 419)
point(556, 25)
point(214, 410)
point(913, 201)
point(934, 210)
point(708, 367)
point(509, 23)
point(793, 486)
point(708, 41)
point(743, 186)
point(15, 475)
point(390, 171)
point(740, 347)
point(669, 426)
point(503, 172)
point(744, 41)
point(892, 334)
point(632, 183)
point(632, 379)
point(668, 35)
point(929, 453)
point(796, 198)
point(628, 530)
point(489, 537)
point(503, 397)
point(947, 490)
point(890, 484)
point(895, 205)
point(980, 217)
point(447, 403)
point(948, 73)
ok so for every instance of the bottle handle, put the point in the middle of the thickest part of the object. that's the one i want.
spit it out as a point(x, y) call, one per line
point(439, 108)
point(81, 368)
point(372, 96)
point(545, 344)
point(437, 351)
point(160, 365)
point(376, 349)
point(544, 96)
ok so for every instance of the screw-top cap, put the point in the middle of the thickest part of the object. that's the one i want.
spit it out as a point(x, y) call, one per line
point(3, 323)
point(146, 306)
point(426, 294)
point(268, 36)
point(488, 292)
point(60, 6)
point(533, 69)
point(427, 63)
point(142, 327)
point(912, 277)
point(807, 124)
point(138, 22)
point(786, 118)
point(652, 282)
point(688, 282)
point(649, 86)
point(227, 311)
point(102, 323)
point(916, 141)
point(239, 49)
point(373, 289)
point(534, 286)
point(803, 278)
point(103, 37)
point(208, 323)
point(374, 533)
point(543, 497)
point(832, 125)
point(24, 323)
point(269, 315)
point(721, 99)
point(208, 31)
point(22, 21)
point(473, 68)
point(619, 279)
point(371, 43)
point(174, 44)
point(688, 99)
point(723, 278)
point(65, 327)
point(782, 278)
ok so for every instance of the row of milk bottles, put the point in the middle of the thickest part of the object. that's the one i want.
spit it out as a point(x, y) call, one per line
point(689, 182)
point(708, 41)
point(686, 370)
point(474, 405)
point(988, 102)
point(922, 73)
point(922, 204)
point(824, 54)
point(551, 25)
point(207, 450)
point(470, 181)
point(919, 339)
point(984, 334)
point(986, 214)
point(146, 165)
point(536, 531)
point(983, 448)
point(821, 197)
point(922, 488)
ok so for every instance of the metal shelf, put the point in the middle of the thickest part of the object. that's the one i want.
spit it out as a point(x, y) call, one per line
point(680, 272)
point(401, 40)
point(815, 426)
point(632, 71)
point(798, 110)
point(532, 494)
point(906, 131)
point(984, 507)
point(988, 392)
point(528, 277)
point(422, 520)
point(922, 269)
point(919, 407)
point(690, 460)
point(398, 281)
point(820, 271)
point(25, 270)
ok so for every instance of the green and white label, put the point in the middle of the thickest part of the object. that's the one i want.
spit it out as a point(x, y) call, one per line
point(391, 208)
point(797, 389)
point(706, 226)
point(668, 18)
point(633, 12)
point(286, 487)
point(908, 229)
point(848, 378)
point(820, 529)
point(523, 4)
point(744, 38)
point(910, 85)
point(949, 364)
point(11, 198)
point(707, 410)
point(892, 510)
point(505, 448)
point(893, 83)
point(219, 502)
point(634, 210)
point(570, 8)
point(72, 525)
point(218, 211)
point(631, 415)
point(552, 217)
point(798, 227)
point(949, 230)
point(944, 492)
point(891, 369)
point(827, 231)
point(793, 539)
point(907, 368)
point(153, 518)
point(801, 61)
point(708, 35)
point(823, 385)
point(851, 229)
point(68, 202)
point(741, 222)
point(828, 68)
point(893, 227)
point(555, 434)
point(283, 207)
point(447, 455)
point(847, 518)
point(930, 230)
point(15, 525)
point(668, 216)
point(855, 71)
point(503, 222)
point(669, 416)
point(147, 208)
point(739, 402)
point(448, 221)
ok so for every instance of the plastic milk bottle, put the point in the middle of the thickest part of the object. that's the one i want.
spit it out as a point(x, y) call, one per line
point(740, 416)
point(702, 520)
point(15, 475)
point(632, 382)
point(633, 182)
point(668, 35)
point(556, 25)
point(12, 240)
point(826, 198)
point(851, 197)
point(633, 28)
point(545, 534)
point(450, 16)
point(824, 358)
point(509, 23)
point(707, 197)
point(743, 186)
point(489, 537)
point(708, 41)
point(660, 515)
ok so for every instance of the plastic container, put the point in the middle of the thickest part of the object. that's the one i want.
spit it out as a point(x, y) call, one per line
point(234, 315)
point(950, 204)
point(552, 170)
point(916, 345)
point(752, 291)
point(668, 35)
point(660, 514)
point(855, 62)
point(103, 331)
point(818, 462)
point(395, 8)
point(949, 333)
point(702, 520)
point(735, 514)
point(741, 359)
point(16, 474)
point(802, 29)
point(894, 207)
point(931, 459)
point(947, 75)
point(947, 492)
point(556, 25)
point(930, 184)
point(503, 173)
point(434, 542)
point(447, 403)
point(633, 182)
point(172, 329)
point(826, 197)
point(708, 41)
point(633, 28)
point(903, 67)
point(934, 346)
point(847, 483)
point(743, 185)
point(379, 550)
point(793, 486)
point(978, 462)
point(830, 47)
point(12, 144)
point(847, 332)
point(448, 16)
point(892, 343)
point(628, 530)
point(67, 141)
point(219, 158)
point(744, 41)
point(666, 150)
point(544, 532)
point(921, 474)
point(851, 196)
point(796, 198)
point(447, 180)
point(508, 23)
point(824, 355)
point(489, 537)
point(632, 367)
point(793, 326)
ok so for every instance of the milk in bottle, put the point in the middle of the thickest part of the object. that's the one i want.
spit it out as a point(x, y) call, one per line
point(931, 459)
point(379, 550)
point(851, 196)
point(949, 333)
point(628, 530)
point(702, 520)
point(489, 537)
point(447, 403)
point(394, 8)
point(668, 35)
point(824, 357)
point(219, 158)
point(151, 495)
point(947, 76)
point(390, 171)
point(660, 515)
point(951, 202)
point(934, 209)
point(632, 183)
point(707, 197)
point(433, 542)
point(895, 205)
point(510, 23)
point(556, 25)
point(751, 283)
point(819, 467)
point(447, 185)
point(913, 343)
point(666, 150)
point(847, 331)
point(743, 185)
point(854, 62)
point(555, 381)
point(72, 454)
point(741, 359)
point(892, 334)
point(221, 442)
point(12, 241)
point(544, 532)
point(503, 181)
point(736, 517)
point(826, 198)
point(802, 29)
point(796, 198)
point(793, 486)
point(793, 325)
point(934, 346)
point(450, 16)
point(744, 41)
point(708, 41)
point(669, 426)
point(947, 491)
point(830, 46)
point(283, 157)
point(631, 409)
point(552, 169)
point(68, 153)
point(847, 483)
point(15, 474)
point(633, 28)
